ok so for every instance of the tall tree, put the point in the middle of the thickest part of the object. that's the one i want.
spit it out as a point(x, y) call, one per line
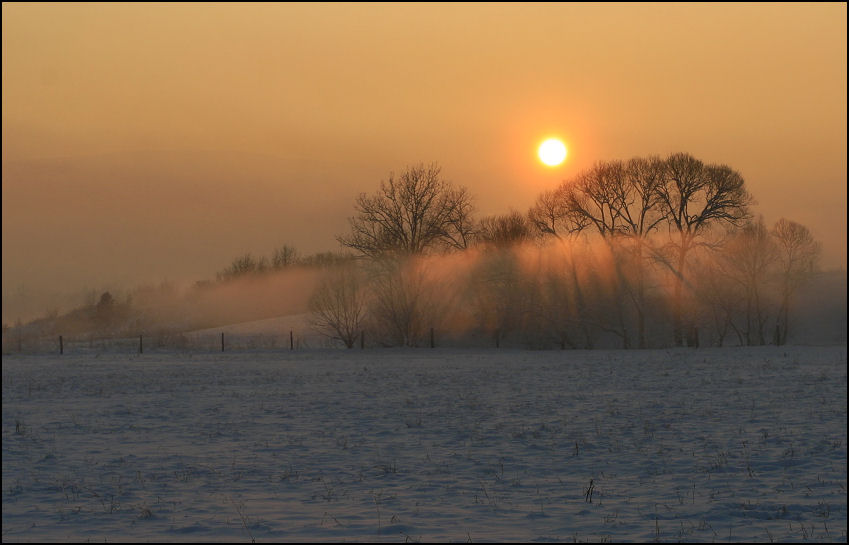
point(411, 214)
point(551, 217)
point(747, 260)
point(402, 302)
point(637, 202)
point(798, 254)
point(620, 201)
point(693, 198)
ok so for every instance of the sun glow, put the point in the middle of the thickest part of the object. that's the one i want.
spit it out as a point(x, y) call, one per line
point(552, 152)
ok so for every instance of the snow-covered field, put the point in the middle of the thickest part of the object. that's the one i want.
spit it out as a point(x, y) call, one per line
point(432, 445)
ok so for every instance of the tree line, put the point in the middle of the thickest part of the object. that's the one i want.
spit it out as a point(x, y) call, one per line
point(642, 253)
point(650, 251)
point(284, 257)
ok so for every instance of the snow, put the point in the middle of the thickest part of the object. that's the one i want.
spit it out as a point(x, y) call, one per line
point(268, 326)
point(734, 444)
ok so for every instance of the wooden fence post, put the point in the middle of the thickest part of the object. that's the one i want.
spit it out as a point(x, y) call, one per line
point(222, 341)
point(61, 346)
point(141, 350)
point(291, 340)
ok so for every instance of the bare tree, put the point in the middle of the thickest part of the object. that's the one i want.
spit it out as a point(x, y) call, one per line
point(505, 230)
point(323, 260)
point(619, 201)
point(338, 305)
point(593, 198)
point(586, 202)
point(747, 260)
point(240, 266)
point(694, 197)
point(798, 254)
point(411, 214)
point(613, 197)
point(495, 292)
point(402, 304)
point(284, 256)
point(722, 301)
point(636, 214)
point(550, 214)
point(637, 201)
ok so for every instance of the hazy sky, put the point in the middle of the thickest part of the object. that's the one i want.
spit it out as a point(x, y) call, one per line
point(145, 142)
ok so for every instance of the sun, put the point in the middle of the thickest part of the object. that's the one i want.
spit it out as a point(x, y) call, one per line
point(552, 152)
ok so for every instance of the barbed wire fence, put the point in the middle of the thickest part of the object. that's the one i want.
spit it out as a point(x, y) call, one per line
point(17, 342)
point(26, 341)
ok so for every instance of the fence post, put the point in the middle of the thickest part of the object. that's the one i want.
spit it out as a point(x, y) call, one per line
point(61, 346)
point(222, 341)
point(141, 350)
point(291, 340)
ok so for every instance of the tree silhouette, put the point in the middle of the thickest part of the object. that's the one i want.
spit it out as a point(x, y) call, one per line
point(338, 304)
point(620, 201)
point(104, 311)
point(694, 197)
point(284, 256)
point(411, 214)
point(747, 260)
point(505, 230)
point(798, 254)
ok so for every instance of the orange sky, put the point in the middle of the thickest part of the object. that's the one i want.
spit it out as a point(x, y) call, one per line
point(145, 142)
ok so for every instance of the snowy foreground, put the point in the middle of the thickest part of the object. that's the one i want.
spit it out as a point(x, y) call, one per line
point(431, 445)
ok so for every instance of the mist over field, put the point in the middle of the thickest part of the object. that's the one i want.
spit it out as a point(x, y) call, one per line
point(606, 254)
point(117, 222)
point(121, 221)
point(522, 296)
point(198, 133)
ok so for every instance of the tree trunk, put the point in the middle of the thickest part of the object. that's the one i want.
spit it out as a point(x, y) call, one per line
point(641, 318)
point(579, 302)
point(678, 294)
point(786, 317)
